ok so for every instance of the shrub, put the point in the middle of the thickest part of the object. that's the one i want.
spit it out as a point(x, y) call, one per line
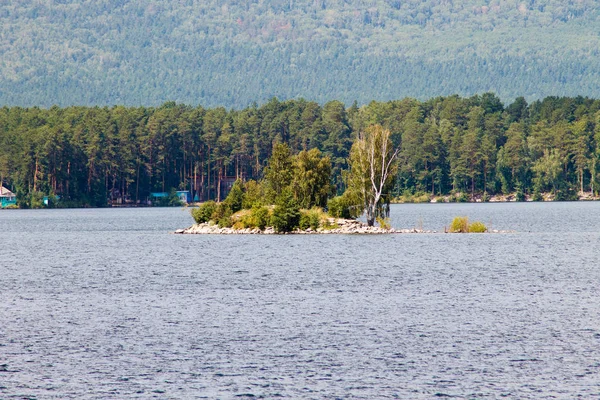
point(345, 206)
point(384, 223)
point(477, 227)
point(239, 225)
point(537, 196)
point(221, 210)
point(460, 225)
point(328, 225)
point(304, 222)
point(338, 208)
point(261, 216)
point(461, 197)
point(258, 217)
point(311, 218)
point(225, 222)
point(204, 212)
point(485, 198)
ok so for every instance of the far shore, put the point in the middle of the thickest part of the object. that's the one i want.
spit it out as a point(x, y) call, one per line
point(481, 198)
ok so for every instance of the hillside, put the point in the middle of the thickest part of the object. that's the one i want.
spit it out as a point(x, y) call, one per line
point(233, 53)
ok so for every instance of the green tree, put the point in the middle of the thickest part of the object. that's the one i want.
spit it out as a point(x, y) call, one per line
point(311, 178)
point(235, 198)
point(286, 214)
point(278, 173)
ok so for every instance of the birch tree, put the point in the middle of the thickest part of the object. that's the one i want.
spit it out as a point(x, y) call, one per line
point(372, 168)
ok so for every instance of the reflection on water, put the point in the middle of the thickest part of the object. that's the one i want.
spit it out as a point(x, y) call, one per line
point(107, 304)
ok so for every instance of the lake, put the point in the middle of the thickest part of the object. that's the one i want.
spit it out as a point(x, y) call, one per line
point(105, 303)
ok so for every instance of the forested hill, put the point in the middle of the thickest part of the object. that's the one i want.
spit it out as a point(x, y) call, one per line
point(232, 53)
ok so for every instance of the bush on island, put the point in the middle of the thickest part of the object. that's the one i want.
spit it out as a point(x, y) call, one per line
point(343, 207)
point(477, 227)
point(384, 223)
point(225, 222)
point(311, 218)
point(258, 217)
point(204, 212)
point(221, 211)
point(459, 225)
point(462, 225)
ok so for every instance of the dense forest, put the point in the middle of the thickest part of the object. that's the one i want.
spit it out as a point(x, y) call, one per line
point(231, 53)
point(98, 155)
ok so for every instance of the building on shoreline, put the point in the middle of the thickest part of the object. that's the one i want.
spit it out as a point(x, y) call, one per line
point(7, 198)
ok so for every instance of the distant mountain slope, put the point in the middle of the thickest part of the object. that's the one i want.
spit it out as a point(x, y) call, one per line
point(232, 53)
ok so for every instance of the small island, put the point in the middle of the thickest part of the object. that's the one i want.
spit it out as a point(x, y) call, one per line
point(297, 189)
point(296, 195)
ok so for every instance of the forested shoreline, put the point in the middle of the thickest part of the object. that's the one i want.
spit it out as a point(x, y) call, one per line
point(95, 156)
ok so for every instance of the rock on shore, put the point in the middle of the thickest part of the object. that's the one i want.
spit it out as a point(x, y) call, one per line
point(337, 226)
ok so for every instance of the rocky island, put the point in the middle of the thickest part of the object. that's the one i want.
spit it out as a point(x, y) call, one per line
point(332, 226)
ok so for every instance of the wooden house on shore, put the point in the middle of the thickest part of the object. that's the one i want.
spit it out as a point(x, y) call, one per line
point(7, 198)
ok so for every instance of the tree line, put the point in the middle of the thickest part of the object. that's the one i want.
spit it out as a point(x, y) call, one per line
point(92, 156)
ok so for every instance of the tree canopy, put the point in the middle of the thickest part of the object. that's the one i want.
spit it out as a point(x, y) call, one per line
point(96, 155)
point(231, 53)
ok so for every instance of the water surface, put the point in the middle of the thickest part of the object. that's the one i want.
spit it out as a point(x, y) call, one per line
point(107, 304)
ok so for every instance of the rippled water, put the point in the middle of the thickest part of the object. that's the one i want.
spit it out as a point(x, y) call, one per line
point(107, 304)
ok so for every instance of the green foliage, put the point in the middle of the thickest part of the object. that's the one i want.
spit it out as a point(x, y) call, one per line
point(97, 156)
point(204, 212)
point(311, 178)
point(372, 169)
point(452, 47)
point(260, 216)
point(344, 206)
point(384, 223)
point(462, 225)
point(278, 173)
point(459, 225)
point(311, 218)
point(225, 222)
point(461, 197)
point(286, 214)
point(220, 213)
point(477, 227)
point(235, 198)
point(253, 195)
point(419, 197)
point(34, 200)
point(519, 195)
point(172, 200)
